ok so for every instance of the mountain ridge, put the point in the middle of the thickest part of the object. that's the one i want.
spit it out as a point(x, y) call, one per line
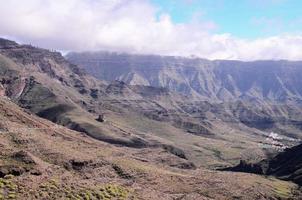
point(222, 80)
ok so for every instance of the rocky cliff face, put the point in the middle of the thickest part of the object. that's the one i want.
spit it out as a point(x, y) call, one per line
point(216, 80)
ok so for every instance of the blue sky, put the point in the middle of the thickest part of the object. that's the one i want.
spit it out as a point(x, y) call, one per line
point(241, 18)
point(213, 29)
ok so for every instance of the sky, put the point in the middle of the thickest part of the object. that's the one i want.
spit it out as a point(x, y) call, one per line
point(213, 29)
point(242, 18)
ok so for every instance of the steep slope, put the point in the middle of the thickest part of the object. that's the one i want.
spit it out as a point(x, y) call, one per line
point(49, 86)
point(41, 160)
point(286, 165)
point(216, 80)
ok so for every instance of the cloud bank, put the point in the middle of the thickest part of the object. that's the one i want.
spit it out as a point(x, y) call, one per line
point(134, 26)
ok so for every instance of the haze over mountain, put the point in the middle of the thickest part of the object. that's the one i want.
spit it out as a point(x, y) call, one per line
point(276, 81)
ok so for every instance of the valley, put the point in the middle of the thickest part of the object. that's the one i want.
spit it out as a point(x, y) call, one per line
point(143, 127)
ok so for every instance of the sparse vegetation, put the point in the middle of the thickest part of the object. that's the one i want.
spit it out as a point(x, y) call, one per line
point(53, 189)
point(8, 188)
point(282, 190)
point(121, 172)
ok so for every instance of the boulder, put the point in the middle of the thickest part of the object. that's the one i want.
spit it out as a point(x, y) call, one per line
point(101, 118)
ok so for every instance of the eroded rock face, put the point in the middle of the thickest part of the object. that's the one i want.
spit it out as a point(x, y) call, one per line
point(216, 80)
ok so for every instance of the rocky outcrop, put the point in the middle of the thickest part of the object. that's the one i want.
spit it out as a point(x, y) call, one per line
point(101, 118)
point(2, 90)
point(23, 156)
point(22, 163)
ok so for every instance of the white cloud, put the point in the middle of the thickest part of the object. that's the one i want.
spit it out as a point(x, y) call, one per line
point(132, 26)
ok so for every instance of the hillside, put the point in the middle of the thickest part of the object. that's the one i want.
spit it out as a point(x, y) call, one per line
point(286, 165)
point(41, 160)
